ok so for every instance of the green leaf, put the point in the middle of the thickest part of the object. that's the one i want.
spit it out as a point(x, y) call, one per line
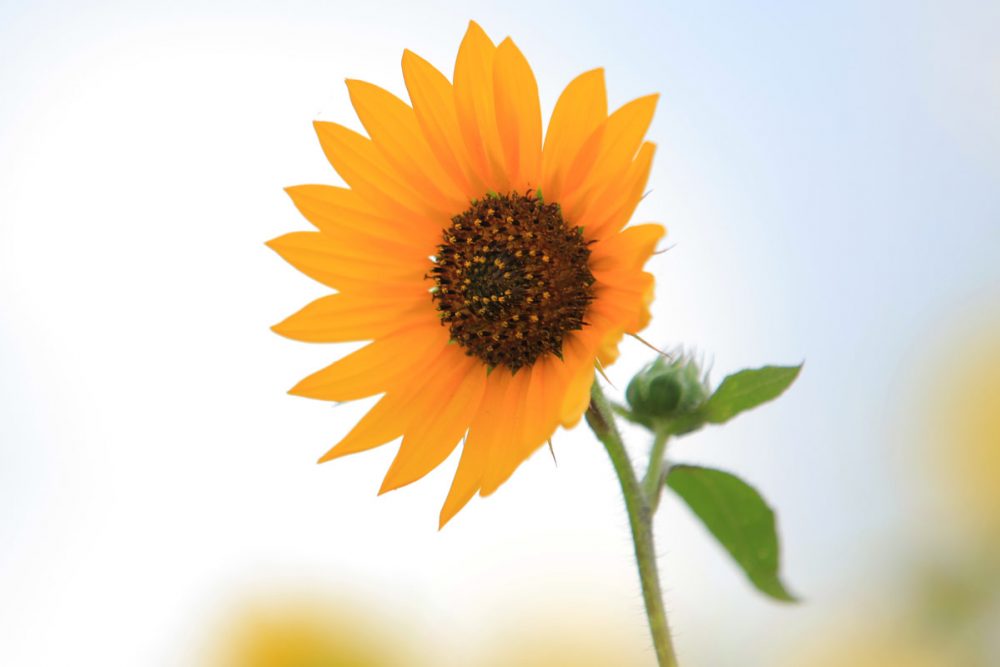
point(738, 517)
point(747, 389)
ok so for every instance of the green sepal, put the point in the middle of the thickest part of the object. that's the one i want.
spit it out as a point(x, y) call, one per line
point(664, 395)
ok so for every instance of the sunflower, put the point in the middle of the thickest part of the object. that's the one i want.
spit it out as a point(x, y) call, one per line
point(491, 270)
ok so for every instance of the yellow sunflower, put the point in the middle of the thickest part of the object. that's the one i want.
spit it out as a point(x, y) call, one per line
point(489, 269)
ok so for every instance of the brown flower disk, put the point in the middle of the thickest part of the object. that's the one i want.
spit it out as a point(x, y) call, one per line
point(512, 279)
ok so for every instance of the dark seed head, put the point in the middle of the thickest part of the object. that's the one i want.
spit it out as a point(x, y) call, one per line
point(511, 279)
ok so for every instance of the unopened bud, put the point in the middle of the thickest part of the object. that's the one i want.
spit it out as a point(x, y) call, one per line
point(666, 391)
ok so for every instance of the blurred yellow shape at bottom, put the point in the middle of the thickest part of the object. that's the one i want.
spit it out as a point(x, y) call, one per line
point(301, 633)
point(867, 641)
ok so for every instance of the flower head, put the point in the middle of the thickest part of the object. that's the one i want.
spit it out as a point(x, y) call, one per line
point(489, 269)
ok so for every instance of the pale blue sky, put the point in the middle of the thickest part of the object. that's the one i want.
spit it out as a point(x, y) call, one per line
point(828, 172)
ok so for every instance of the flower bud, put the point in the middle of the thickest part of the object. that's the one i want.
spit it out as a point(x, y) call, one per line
point(667, 393)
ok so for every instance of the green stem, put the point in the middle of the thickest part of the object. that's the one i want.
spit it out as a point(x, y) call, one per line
point(652, 483)
point(601, 419)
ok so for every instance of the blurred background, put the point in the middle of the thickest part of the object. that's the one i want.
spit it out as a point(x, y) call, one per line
point(828, 175)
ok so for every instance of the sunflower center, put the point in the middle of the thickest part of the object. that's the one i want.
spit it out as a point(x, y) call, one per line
point(512, 279)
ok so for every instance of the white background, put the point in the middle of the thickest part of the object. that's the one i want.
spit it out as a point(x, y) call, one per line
point(827, 173)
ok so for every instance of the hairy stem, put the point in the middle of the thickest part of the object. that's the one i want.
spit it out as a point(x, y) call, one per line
point(601, 419)
point(652, 483)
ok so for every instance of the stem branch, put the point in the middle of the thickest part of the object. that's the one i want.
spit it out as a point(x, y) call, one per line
point(652, 482)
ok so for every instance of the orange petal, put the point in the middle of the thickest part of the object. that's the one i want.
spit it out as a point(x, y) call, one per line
point(360, 163)
point(581, 109)
point(540, 414)
point(474, 103)
point(331, 207)
point(607, 353)
point(627, 288)
point(377, 366)
point(612, 308)
point(625, 281)
point(346, 317)
point(390, 416)
point(618, 139)
point(384, 423)
point(607, 317)
point(579, 352)
point(477, 445)
point(505, 450)
point(433, 102)
point(540, 418)
point(342, 212)
point(320, 258)
point(610, 209)
point(453, 399)
point(629, 249)
point(392, 126)
point(360, 248)
point(519, 116)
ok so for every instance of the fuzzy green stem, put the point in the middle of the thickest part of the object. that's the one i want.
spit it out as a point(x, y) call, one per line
point(601, 419)
point(652, 483)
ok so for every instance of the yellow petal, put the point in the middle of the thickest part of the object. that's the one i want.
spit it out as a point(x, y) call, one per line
point(519, 117)
point(391, 415)
point(581, 109)
point(625, 281)
point(540, 420)
point(392, 126)
point(627, 288)
point(630, 248)
point(607, 353)
point(477, 446)
point(609, 210)
point(377, 366)
point(505, 452)
point(452, 400)
point(346, 317)
point(474, 102)
point(617, 141)
point(579, 351)
point(360, 163)
point(342, 212)
point(433, 102)
point(383, 423)
point(539, 416)
point(320, 258)
point(411, 259)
